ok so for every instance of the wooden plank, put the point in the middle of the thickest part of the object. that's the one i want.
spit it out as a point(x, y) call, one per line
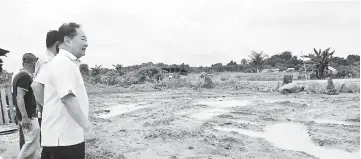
point(4, 105)
point(11, 105)
point(1, 115)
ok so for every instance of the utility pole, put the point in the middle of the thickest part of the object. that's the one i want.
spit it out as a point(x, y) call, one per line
point(304, 65)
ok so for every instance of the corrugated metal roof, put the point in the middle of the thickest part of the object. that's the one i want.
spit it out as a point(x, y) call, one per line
point(3, 52)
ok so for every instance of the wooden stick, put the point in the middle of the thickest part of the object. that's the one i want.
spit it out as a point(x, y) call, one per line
point(11, 105)
point(1, 115)
point(4, 105)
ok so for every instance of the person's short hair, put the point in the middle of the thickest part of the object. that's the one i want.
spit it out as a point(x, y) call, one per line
point(29, 58)
point(51, 38)
point(67, 29)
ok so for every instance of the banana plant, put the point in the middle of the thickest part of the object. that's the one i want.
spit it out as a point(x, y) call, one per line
point(321, 60)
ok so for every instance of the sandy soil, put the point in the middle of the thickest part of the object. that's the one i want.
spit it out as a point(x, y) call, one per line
point(207, 124)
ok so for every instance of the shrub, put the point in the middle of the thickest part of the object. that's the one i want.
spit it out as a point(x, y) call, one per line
point(176, 83)
point(84, 69)
point(96, 79)
point(348, 72)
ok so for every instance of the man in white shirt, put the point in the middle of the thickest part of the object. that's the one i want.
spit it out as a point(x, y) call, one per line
point(51, 51)
point(65, 123)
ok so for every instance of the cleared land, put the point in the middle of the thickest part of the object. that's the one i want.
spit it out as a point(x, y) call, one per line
point(250, 121)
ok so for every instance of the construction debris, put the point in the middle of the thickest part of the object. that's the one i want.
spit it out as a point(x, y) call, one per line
point(291, 88)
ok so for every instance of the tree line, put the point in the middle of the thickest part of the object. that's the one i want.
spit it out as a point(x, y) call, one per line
point(318, 63)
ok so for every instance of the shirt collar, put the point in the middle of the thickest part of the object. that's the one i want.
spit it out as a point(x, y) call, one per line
point(49, 54)
point(69, 55)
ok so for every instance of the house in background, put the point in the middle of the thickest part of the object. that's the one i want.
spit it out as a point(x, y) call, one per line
point(332, 70)
point(3, 52)
point(290, 70)
point(266, 70)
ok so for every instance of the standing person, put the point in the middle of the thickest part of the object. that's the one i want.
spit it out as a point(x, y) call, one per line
point(21, 134)
point(25, 105)
point(38, 87)
point(65, 123)
point(51, 51)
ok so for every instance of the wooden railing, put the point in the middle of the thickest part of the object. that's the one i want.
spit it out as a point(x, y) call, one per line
point(7, 109)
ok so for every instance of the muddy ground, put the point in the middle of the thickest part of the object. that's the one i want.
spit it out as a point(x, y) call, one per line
point(192, 124)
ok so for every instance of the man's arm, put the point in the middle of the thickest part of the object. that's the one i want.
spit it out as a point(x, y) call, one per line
point(39, 82)
point(38, 89)
point(73, 107)
point(21, 106)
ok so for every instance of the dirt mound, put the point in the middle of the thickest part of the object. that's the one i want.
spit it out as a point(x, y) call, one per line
point(222, 145)
point(168, 134)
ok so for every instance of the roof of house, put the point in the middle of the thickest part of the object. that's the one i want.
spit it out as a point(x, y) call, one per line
point(3, 52)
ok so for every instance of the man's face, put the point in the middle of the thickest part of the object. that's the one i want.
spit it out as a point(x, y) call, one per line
point(79, 43)
point(31, 67)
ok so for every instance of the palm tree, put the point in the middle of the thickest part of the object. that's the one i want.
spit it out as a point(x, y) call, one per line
point(321, 59)
point(258, 59)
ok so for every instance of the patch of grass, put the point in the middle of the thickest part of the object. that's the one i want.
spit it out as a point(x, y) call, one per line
point(346, 87)
point(351, 88)
point(176, 83)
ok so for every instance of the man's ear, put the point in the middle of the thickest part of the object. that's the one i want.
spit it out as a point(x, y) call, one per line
point(56, 44)
point(67, 41)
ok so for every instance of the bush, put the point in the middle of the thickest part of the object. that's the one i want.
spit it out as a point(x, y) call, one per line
point(352, 71)
point(96, 79)
point(84, 69)
point(176, 83)
point(149, 74)
point(224, 78)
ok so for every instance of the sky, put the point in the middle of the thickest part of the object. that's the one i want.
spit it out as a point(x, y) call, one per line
point(195, 32)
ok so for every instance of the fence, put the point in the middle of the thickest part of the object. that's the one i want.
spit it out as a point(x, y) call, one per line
point(7, 109)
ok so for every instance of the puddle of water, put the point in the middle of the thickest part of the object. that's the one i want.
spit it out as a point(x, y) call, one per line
point(234, 103)
point(225, 103)
point(295, 137)
point(119, 109)
point(222, 103)
point(327, 121)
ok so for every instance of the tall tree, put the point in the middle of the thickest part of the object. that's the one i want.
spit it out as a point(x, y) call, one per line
point(84, 69)
point(338, 61)
point(352, 59)
point(258, 59)
point(231, 63)
point(96, 70)
point(118, 69)
point(321, 59)
point(286, 55)
point(244, 62)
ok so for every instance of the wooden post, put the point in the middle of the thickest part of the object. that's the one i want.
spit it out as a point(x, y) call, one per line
point(11, 105)
point(330, 85)
point(287, 79)
point(4, 105)
point(304, 66)
point(1, 115)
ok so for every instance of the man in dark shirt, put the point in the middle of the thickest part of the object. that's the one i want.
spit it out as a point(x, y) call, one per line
point(25, 105)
